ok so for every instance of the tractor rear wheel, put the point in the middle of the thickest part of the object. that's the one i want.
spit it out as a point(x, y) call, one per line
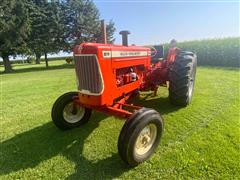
point(140, 136)
point(66, 114)
point(182, 78)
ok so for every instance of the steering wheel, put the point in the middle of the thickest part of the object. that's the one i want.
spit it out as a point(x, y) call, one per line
point(153, 51)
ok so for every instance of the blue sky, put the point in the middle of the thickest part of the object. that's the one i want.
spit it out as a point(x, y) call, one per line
point(158, 21)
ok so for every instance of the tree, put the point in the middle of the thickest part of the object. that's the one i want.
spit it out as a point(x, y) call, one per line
point(110, 32)
point(47, 30)
point(81, 22)
point(14, 29)
point(54, 30)
point(35, 41)
point(41, 27)
point(61, 25)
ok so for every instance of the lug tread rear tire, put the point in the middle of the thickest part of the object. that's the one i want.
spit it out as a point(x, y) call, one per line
point(182, 71)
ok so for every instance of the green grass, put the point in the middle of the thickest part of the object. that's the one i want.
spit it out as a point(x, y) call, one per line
point(200, 141)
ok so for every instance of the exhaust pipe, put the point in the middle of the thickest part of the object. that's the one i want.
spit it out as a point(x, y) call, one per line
point(104, 32)
point(125, 37)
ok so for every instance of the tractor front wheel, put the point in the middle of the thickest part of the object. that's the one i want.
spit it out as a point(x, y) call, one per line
point(182, 78)
point(66, 114)
point(140, 136)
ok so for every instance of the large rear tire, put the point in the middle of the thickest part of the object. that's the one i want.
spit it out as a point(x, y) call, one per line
point(182, 78)
point(140, 136)
point(66, 114)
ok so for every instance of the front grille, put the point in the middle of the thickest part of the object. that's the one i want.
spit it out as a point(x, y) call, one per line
point(88, 74)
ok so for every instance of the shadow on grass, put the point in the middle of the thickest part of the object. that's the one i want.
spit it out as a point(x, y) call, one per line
point(162, 105)
point(30, 148)
point(40, 68)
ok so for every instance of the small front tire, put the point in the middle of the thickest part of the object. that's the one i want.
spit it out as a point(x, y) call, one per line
point(140, 136)
point(66, 114)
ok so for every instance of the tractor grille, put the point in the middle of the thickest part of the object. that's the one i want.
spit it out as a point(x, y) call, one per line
point(88, 74)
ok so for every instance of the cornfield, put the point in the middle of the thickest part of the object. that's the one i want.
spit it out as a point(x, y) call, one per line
point(214, 52)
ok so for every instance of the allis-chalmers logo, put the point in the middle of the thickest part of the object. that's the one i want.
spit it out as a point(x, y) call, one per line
point(130, 53)
point(115, 54)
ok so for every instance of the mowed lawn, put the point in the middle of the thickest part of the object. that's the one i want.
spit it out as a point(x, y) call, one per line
point(200, 141)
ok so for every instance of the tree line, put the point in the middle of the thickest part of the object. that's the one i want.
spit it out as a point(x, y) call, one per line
point(40, 27)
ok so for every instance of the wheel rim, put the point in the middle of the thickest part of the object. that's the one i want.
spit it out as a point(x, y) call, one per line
point(145, 139)
point(190, 90)
point(73, 113)
point(191, 83)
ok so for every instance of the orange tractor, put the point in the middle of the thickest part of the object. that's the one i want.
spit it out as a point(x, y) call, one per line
point(109, 75)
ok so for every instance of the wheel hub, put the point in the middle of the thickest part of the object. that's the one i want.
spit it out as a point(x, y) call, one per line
point(73, 113)
point(145, 139)
point(190, 89)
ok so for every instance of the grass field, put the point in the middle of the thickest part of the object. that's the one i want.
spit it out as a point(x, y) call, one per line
point(201, 141)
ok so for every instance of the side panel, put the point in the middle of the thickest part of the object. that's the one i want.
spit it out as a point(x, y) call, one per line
point(130, 57)
point(111, 58)
point(108, 75)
